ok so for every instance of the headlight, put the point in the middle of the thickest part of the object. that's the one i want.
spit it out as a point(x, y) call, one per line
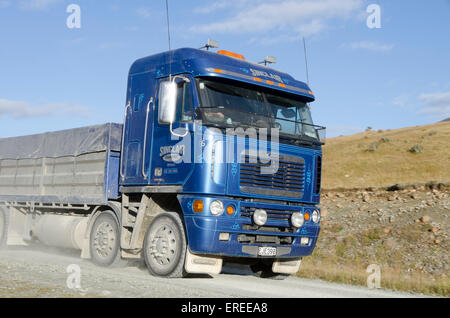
point(216, 207)
point(260, 217)
point(315, 217)
point(297, 219)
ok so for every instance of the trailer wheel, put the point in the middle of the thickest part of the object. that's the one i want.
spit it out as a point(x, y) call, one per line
point(165, 246)
point(3, 228)
point(105, 240)
point(263, 269)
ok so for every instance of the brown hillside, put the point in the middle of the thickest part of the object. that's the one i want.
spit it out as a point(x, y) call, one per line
point(382, 158)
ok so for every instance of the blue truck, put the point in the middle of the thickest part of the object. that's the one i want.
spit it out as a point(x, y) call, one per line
point(217, 159)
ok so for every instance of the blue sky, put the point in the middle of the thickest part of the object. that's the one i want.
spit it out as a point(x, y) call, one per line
point(53, 77)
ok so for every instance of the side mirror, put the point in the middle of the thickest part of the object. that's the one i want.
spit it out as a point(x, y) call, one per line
point(167, 102)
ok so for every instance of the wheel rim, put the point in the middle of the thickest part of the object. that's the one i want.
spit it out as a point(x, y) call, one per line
point(104, 239)
point(163, 246)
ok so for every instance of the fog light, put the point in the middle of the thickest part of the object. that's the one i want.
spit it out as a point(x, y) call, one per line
point(260, 217)
point(315, 216)
point(224, 236)
point(304, 241)
point(297, 219)
point(216, 207)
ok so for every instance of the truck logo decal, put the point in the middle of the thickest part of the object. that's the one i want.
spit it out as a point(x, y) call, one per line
point(171, 153)
point(308, 175)
point(171, 157)
point(258, 73)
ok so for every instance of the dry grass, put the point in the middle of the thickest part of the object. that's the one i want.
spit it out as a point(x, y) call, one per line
point(383, 158)
point(355, 274)
point(343, 256)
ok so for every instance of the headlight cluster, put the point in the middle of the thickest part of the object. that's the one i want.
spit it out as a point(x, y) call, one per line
point(298, 219)
point(217, 208)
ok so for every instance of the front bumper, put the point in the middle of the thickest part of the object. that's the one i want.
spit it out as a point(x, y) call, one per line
point(203, 229)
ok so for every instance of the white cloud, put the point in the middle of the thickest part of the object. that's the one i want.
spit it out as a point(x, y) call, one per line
point(74, 41)
point(212, 7)
point(144, 13)
point(436, 105)
point(224, 4)
point(132, 28)
point(305, 17)
point(114, 7)
point(371, 46)
point(20, 110)
point(400, 101)
point(4, 4)
point(37, 4)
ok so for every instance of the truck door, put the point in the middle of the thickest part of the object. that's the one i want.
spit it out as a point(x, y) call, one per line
point(137, 130)
point(172, 153)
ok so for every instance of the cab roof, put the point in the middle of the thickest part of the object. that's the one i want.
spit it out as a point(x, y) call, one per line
point(201, 63)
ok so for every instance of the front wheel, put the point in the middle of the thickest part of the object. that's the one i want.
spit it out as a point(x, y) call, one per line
point(263, 269)
point(165, 246)
point(105, 240)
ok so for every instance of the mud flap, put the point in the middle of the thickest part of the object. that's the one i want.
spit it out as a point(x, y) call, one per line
point(202, 264)
point(288, 266)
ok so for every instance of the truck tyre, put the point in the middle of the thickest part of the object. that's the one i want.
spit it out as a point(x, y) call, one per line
point(263, 269)
point(3, 228)
point(105, 240)
point(165, 246)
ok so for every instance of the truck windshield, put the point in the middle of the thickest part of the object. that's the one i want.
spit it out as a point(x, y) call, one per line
point(229, 105)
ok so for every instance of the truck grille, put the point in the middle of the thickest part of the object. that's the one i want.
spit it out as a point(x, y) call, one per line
point(272, 214)
point(286, 181)
point(278, 222)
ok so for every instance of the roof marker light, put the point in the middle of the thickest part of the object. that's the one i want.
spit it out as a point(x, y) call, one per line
point(232, 54)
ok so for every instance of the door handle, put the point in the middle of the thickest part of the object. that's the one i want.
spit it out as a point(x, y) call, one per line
point(123, 140)
point(145, 137)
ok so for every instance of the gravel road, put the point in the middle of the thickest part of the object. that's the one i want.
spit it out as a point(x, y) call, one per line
point(26, 272)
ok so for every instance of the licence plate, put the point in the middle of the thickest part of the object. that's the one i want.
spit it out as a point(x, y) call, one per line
point(267, 251)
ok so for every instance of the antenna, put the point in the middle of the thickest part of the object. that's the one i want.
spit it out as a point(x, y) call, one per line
point(168, 36)
point(306, 61)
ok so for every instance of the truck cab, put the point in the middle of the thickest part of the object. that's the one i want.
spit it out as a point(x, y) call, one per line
point(234, 144)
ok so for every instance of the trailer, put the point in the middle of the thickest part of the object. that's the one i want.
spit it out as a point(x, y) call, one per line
point(172, 185)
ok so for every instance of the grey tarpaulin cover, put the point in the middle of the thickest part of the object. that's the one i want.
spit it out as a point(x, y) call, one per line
point(70, 142)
